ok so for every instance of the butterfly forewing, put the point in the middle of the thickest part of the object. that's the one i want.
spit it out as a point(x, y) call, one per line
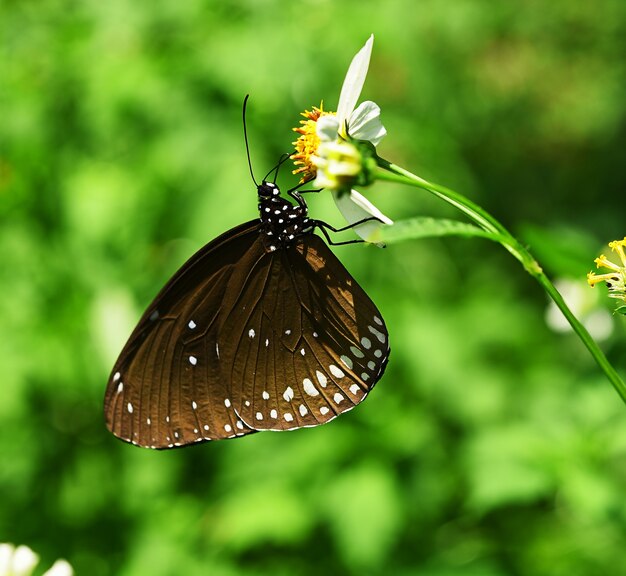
point(165, 389)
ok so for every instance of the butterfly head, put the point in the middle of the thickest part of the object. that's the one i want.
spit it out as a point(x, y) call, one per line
point(267, 190)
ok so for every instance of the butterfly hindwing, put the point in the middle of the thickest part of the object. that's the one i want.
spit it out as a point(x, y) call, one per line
point(311, 346)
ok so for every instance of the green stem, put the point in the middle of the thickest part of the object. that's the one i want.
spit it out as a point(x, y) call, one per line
point(391, 172)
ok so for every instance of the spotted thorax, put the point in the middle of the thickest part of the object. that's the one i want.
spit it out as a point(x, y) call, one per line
point(338, 149)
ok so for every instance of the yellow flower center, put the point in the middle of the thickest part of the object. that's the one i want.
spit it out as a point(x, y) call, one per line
point(307, 143)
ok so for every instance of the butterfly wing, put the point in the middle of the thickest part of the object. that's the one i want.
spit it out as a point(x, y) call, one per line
point(166, 387)
point(306, 341)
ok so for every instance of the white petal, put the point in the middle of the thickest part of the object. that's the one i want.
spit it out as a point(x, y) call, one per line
point(60, 568)
point(353, 83)
point(356, 207)
point(24, 561)
point(6, 556)
point(365, 124)
point(326, 128)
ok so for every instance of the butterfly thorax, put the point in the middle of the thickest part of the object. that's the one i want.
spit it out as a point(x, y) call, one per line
point(281, 221)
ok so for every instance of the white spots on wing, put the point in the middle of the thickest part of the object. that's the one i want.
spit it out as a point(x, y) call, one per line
point(371, 364)
point(287, 332)
point(266, 395)
point(194, 405)
point(120, 387)
point(365, 376)
point(381, 337)
point(321, 378)
point(338, 398)
point(378, 320)
point(354, 389)
point(347, 362)
point(193, 360)
point(336, 372)
point(272, 248)
point(176, 435)
point(195, 431)
point(259, 416)
point(288, 394)
point(129, 407)
point(251, 333)
point(288, 417)
point(303, 410)
point(191, 324)
point(378, 353)
point(366, 342)
point(247, 403)
point(167, 419)
point(315, 334)
point(206, 427)
point(273, 414)
point(324, 410)
point(267, 209)
point(302, 351)
point(276, 212)
point(217, 349)
point(356, 352)
point(309, 388)
point(154, 315)
point(148, 421)
point(239, 424)
point(228, 428)
point(116, 376)
point(227, 403)
point(267, 342)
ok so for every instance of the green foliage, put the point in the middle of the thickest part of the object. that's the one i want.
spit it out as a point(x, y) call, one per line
point(491, 447)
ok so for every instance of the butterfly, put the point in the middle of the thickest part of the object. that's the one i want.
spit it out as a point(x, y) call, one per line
point(262, 329)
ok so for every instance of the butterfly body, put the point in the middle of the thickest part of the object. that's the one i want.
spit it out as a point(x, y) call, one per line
point(262, 329)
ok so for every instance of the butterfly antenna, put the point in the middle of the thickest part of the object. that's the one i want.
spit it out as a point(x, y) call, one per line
point(245, 135)
point(282, 160)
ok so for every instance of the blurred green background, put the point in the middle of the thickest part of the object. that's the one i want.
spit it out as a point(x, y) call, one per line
point(492, 446)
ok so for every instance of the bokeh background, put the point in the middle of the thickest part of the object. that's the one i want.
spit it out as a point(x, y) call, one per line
point(493, 445)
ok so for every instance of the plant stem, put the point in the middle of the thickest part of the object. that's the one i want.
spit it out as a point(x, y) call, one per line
point(391, 172)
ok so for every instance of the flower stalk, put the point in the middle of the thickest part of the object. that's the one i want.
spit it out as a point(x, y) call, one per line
point(391, 172)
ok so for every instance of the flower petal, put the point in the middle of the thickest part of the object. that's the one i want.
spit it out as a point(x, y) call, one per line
point(326, 128)
point(365, 124)
point(353, 83)
point(355, 207)
point(24, 561)
point(60, 568)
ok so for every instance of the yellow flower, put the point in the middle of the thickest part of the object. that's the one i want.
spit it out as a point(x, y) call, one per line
point(616, 279)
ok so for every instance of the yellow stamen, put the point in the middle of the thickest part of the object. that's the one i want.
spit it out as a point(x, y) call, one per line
point(616, 279)
point(618, 246)
point(307, 143)
point(593, 278)
point(603, 262)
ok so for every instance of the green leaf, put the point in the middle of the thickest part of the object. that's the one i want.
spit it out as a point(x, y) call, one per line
point(621, 310)
point(415, 228)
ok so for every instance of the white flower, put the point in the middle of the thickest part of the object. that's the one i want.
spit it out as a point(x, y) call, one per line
point(338, 160)
point(21, 561)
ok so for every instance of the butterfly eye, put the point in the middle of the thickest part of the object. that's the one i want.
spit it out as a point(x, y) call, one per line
point(262, 329)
